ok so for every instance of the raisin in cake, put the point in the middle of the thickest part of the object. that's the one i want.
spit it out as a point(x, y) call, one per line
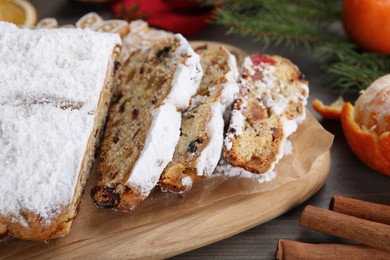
point(271, 104)
point(144, 122)
point(201, 140)
point(55, 90)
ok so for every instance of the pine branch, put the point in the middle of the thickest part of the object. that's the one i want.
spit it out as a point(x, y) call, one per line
point(306, 22)
point(262, 27)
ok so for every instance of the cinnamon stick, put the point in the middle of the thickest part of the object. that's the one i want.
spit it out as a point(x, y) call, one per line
point(289, 250)
point(361, 209)
point(363, 231)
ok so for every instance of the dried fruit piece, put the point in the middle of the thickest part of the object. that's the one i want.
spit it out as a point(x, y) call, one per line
point(88, 20)
point(105, 197)
point(333, 111)
point(367, 126)
point(163, 52)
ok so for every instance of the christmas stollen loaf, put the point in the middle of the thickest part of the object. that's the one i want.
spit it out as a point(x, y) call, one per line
point(201, 140)
point(55, 91)
point(270, 105)
point(143, 127)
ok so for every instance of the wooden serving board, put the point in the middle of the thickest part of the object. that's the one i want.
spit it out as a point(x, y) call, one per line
point(157, 231)
point(169, 237)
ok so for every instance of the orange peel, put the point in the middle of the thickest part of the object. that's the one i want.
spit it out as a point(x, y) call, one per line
point(366, 126)
point(332, 111)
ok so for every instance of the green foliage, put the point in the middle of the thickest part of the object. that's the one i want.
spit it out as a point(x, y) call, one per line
point(307, 22)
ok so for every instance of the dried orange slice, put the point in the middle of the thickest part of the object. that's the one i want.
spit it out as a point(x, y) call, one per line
point(367, 126)
point(88, 20)
point(49, 23)
point(112, 26)
point(19, 12)
point(333, 111)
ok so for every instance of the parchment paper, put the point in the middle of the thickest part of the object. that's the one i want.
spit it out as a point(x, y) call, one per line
point(94, 224)
point(309, 142)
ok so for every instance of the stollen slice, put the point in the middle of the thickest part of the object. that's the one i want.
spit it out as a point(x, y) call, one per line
point(201, 140)
point(144, 122)
point(270, 105)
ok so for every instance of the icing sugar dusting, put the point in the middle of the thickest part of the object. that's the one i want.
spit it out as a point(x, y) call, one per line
point(50, 82)
point(227, 170)
point(41, 157)
point(44, 64)
point(288, 148)
point(186, 181)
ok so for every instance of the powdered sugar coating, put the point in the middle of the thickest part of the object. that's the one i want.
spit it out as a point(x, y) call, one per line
point(158, 150)
point(227, 170)
point(42, 149)
point(210, 156)
point(50, 83)
point(188, 74)
point(53, 64)
point(164, 132)
point(186, 181)
point(237, 121)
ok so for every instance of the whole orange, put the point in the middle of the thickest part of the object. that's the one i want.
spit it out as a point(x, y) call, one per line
point(367, 22)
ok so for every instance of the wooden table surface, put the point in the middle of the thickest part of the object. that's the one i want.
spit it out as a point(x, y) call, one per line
point(348, 176)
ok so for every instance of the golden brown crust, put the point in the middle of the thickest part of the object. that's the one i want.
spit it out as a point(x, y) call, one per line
point(34, 227)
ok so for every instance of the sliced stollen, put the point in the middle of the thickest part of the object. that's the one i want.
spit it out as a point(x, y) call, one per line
point(271, 104)
point(55, 91)
point(201, 140)
point(144, 122)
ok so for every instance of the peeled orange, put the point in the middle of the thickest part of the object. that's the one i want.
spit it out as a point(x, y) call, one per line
point(373, 107)
point(19, 12)
point(367, 125)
